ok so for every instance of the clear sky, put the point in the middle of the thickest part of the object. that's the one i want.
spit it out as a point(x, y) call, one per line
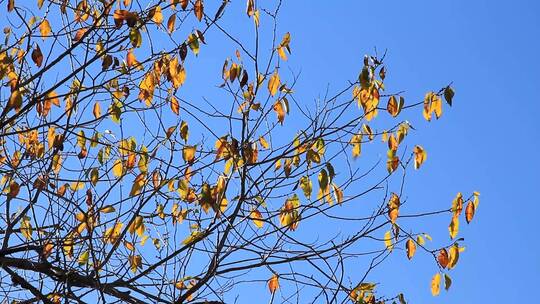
point(487, 142)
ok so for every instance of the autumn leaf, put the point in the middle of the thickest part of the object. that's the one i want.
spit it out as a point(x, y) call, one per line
point(135, 262)
point(83, 258)
point(170, 23)
point(338, 193)
point(118, 168)
point(442, 258)
point(198, 9)
point(193, 43)
point(280, 111)
point(420, 156)
point(45, 28)
point(393, 207)
point(175, 106)
point(37, 56)
point(157, 15)
point(388, 240)
point(97, 110)
point(453, 228)
point(469, 212)
point(436, 284)
point(393, 107)
point(188, 153)
point(138, 184)
point(26, 227)
point(411, 248)
point(273, 83)
point(447, 281)
point(306, 186)
point(453, 256)
point(107, 209)
point(448, 95)
point(273, 284)
point(257, 218)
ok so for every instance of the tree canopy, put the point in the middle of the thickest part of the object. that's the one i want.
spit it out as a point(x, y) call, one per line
point(124, 181)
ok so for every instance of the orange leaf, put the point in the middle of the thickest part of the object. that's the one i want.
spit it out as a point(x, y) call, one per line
point(45, 28)
point(97, 110)
point(273, 283)
point(175, 106)
point(411, 248)
point(469, 212)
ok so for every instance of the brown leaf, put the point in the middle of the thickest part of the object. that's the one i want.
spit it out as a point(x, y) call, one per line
point(37, 56)
point(199, 9)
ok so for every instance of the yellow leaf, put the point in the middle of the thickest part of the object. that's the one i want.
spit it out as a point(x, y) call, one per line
point(175, 106)
point(436, 284)
point(273, 83)
point(107, 209)
point(279, 108)
point(453, 255)
point(158, 16)
point(289, 215)
point(137, 226)
point(83, 258)
point(273, 283)
point(411, 248)
point(420, 156)
point(138, 184)
point(420, 240)
point(281, 53)
point(193, 237)
point(256, 18)
point(264, 143)
point(306, 185)
point(453, 228)
point(118, 168)
point(193, 43)
point(76, 186)
point(257, 218)
point(338, 193)
point(188, 153)
point(135, 262)
point(476, 200)
point(388, 240)
point(45, 28)
point(26, 227)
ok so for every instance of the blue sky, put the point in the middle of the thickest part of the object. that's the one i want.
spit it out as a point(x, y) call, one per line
point(486, 142)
